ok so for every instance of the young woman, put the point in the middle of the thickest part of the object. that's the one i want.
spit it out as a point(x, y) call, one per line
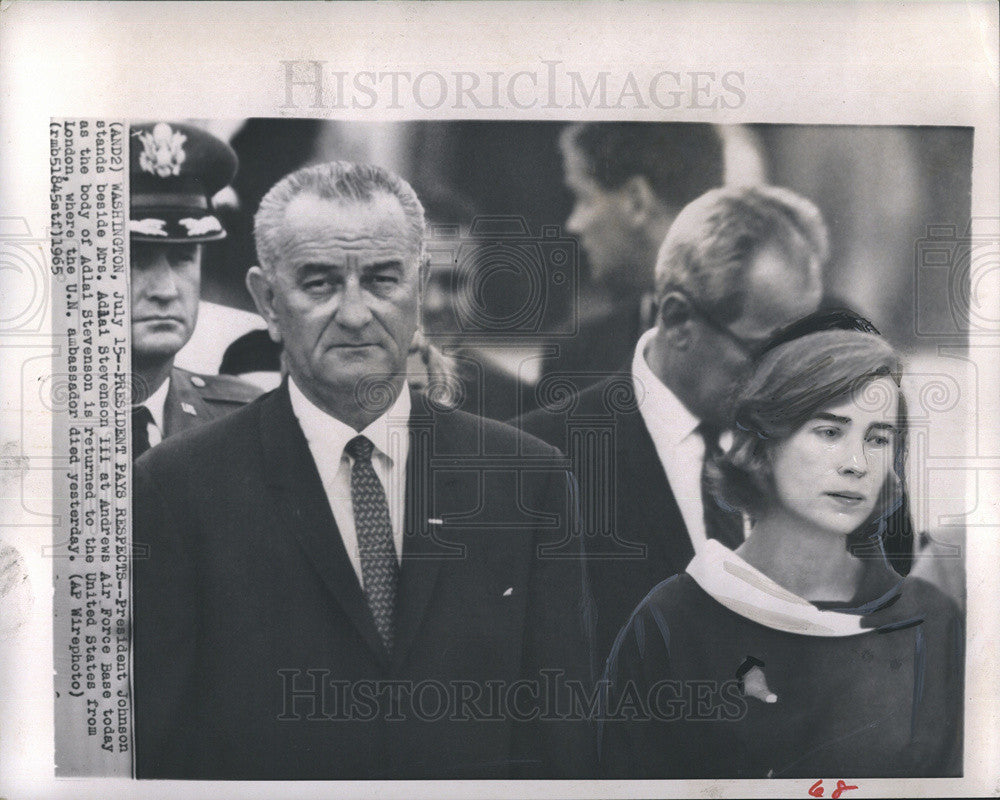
point(802, 653)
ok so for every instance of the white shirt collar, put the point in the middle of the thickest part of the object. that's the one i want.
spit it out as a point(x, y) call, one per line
point(676, 439)
point(156, 403)
point(389, 433)
point(666, 418)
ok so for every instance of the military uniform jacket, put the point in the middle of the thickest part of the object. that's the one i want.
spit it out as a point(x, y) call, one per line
point(194, 399)
point(256, 655)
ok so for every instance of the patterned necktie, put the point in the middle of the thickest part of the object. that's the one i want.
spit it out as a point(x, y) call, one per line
point(141, 417)
point(721, 522)
point(379, 567)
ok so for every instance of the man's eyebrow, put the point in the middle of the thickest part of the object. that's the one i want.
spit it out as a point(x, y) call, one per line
point(314, 267)
point(390, 263)
point(311, 268)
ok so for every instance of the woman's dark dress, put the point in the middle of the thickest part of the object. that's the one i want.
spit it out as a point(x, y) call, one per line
point(884, 703)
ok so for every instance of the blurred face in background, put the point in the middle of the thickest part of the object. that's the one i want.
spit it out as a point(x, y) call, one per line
point(166, 283)
point(442, 290)
point(601, 221)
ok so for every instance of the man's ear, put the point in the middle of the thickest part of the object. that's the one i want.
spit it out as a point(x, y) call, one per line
point(423, 279)
point(640, 200)
point(424, 273)
point(675, 319)
point(259, 286)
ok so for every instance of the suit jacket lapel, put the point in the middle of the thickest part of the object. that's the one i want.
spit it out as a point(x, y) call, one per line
point(430, 499)
point(651, 511)
point(290, 469)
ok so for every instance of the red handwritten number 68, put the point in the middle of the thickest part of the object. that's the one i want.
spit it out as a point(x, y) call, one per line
point(816, 790)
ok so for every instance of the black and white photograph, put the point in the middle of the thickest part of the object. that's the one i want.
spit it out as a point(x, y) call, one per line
point(539, 428)
point(645, 453)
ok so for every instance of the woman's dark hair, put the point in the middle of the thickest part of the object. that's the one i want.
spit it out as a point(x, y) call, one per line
point(792, 381)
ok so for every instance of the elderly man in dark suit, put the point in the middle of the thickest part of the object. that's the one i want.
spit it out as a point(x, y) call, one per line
point(174, 171)
point(737, 264)
point(342, 580)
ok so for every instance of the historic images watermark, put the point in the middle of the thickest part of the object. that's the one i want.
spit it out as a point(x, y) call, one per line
point(315, 695)
point(316, 84)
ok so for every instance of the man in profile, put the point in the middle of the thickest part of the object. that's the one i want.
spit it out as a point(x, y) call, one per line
point(737, 264)
point(342, 581)
point(175, 169)
point(629, 180)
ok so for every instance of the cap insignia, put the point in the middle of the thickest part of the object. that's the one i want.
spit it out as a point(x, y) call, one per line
point(163, 150)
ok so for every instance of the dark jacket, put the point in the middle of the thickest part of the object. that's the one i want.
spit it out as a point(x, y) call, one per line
point(634, 533)
point(881, 704)
point(256, 655)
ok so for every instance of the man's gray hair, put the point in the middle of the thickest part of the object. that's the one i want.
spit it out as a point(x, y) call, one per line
point(342, 181)
point(710, 246)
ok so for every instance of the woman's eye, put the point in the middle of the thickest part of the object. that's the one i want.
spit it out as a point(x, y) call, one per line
point(878, 440)
point(828, 433)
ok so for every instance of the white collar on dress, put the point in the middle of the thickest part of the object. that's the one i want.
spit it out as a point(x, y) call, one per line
point(747, 591)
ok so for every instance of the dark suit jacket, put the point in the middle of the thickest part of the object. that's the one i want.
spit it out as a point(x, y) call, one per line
point(256, 656)
point(633, 530)
point(194, 399)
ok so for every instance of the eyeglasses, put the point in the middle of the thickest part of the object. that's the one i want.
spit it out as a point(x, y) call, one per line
point(748, 347)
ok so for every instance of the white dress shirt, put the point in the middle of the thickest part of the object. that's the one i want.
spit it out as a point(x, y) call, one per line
point(678, 443)
point(157, 403)
point(327, 437)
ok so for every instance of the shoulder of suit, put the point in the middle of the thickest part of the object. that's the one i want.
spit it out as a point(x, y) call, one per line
point(528, 444)
point(608, 398)
point(495, 436)
point(221, 388)
point(927, 598)
point(221, 439)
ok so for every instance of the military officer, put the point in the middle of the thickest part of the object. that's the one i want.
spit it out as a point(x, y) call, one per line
point(174, 171)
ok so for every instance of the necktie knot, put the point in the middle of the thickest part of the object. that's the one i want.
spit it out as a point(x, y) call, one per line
point(141, 417)
point(710, 433)
point(721, 521)
point(360, 448)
